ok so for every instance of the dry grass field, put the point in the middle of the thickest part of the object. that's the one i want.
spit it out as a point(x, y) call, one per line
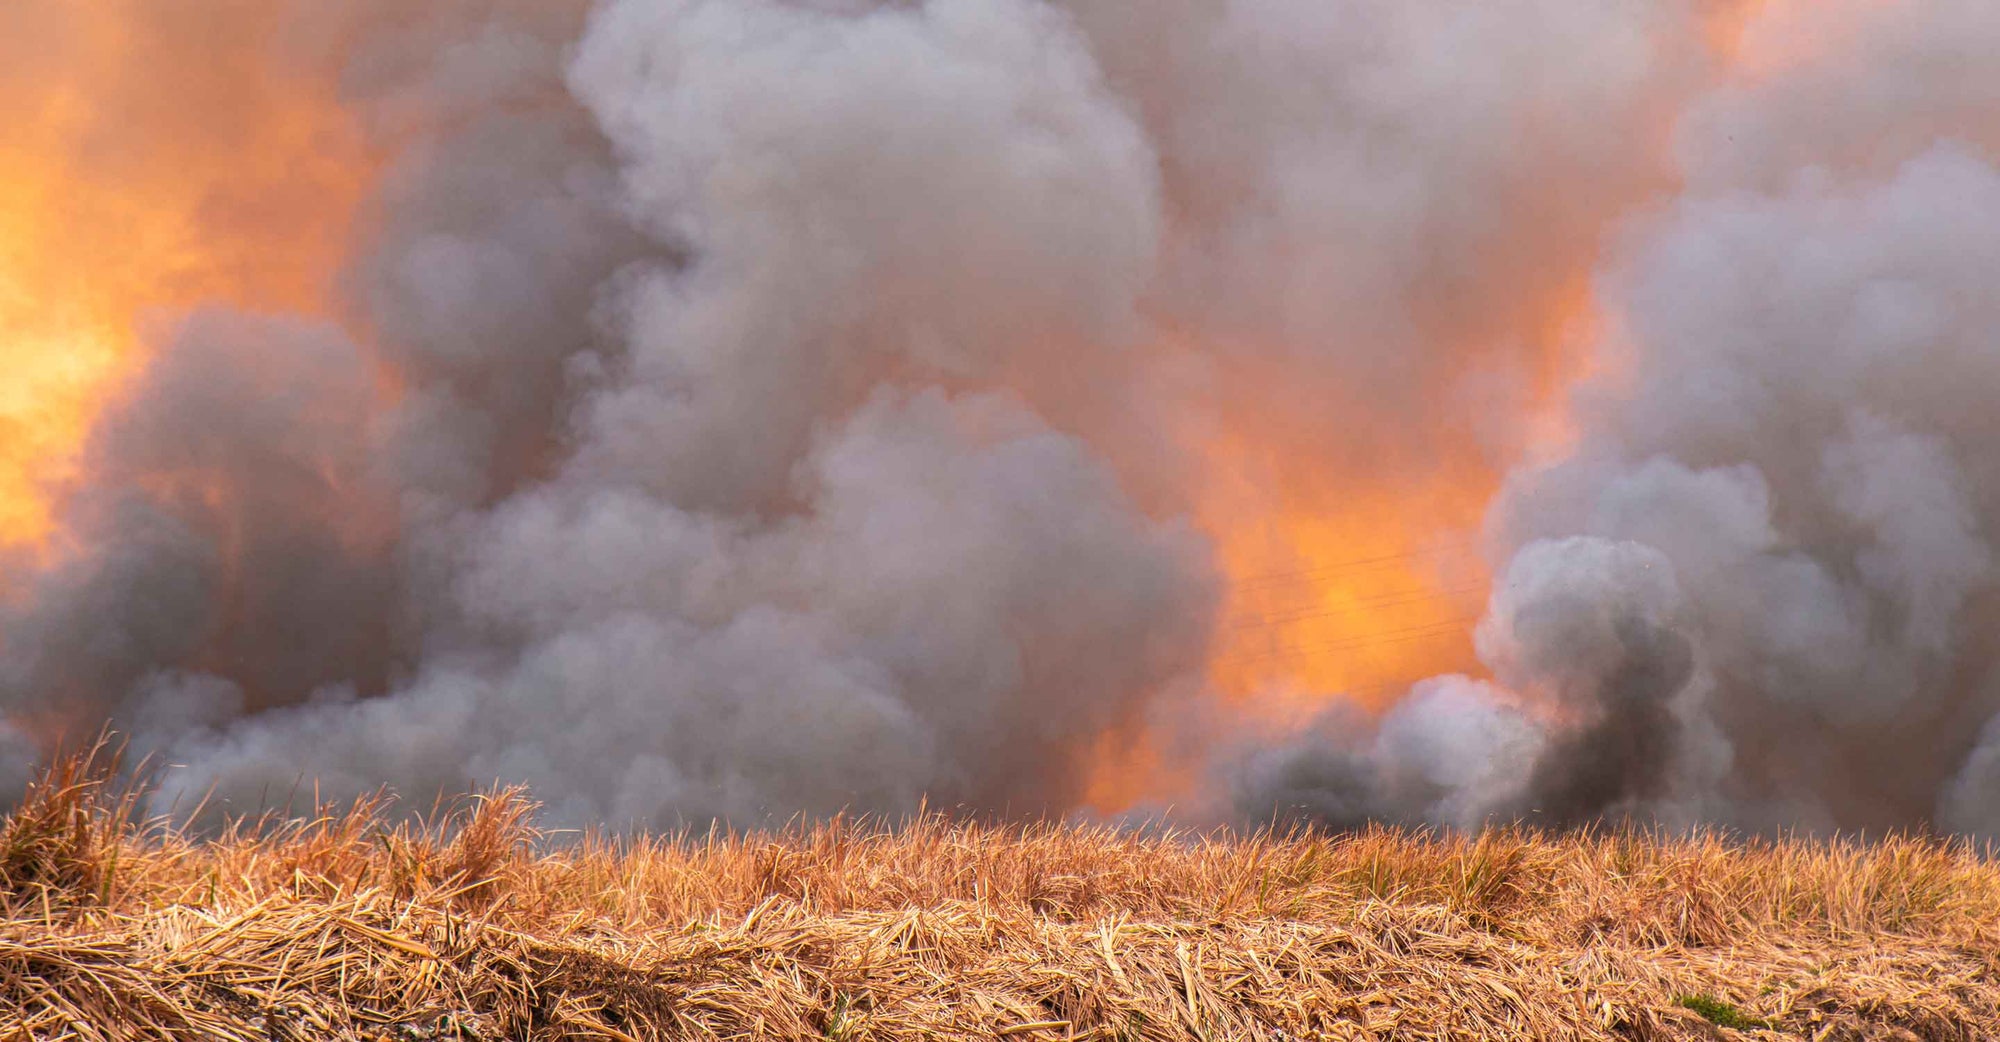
point(473, 927)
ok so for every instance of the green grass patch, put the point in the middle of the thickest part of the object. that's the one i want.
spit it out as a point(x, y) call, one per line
point(1721, 1014)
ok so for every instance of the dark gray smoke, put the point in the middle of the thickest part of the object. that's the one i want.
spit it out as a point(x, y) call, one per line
point(743, 407)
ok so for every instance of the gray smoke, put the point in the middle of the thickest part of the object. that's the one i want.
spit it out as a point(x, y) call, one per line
point(742, 408)
point(1792, 433)
point(1589, 626)
point(705, 500)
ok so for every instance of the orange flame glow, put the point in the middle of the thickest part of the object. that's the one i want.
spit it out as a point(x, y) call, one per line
point(1352, 583)
point(120, 198)
point(118, 201)
point(1344, 583)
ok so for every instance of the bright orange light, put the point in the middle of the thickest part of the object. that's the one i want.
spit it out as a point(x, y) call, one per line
point(153, 159)
point(1346, 579)
point(1351, 582)
point(1339, 589)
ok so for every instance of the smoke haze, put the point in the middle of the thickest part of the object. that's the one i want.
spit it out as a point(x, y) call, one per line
point(697, 410)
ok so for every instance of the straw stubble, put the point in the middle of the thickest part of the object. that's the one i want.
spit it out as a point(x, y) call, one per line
point(468, 924)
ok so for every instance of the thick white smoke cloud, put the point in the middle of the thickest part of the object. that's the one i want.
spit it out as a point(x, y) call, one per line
point(757, 568)
point(1791, 428)
point(752, 407)
point(927, 626)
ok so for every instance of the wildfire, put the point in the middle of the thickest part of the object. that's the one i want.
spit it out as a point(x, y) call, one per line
point(120, 200)
point(1351, 583)
point(1351, 591)
point(1346, 577)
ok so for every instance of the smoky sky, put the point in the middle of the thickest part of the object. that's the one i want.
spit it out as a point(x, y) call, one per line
point(729, 410)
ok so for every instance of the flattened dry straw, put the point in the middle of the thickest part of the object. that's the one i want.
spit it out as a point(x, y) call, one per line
point(472, 926)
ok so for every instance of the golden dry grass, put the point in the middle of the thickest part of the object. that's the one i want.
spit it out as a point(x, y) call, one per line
point(345, 927)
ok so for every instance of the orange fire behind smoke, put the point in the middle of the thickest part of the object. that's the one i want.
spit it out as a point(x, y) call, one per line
point(151, 163)
point(119, 201)
point(1351, 584)
point(1345, 580)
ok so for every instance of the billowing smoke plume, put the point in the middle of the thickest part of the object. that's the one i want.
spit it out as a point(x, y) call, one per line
point(1756, 590)
point(733, 408)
